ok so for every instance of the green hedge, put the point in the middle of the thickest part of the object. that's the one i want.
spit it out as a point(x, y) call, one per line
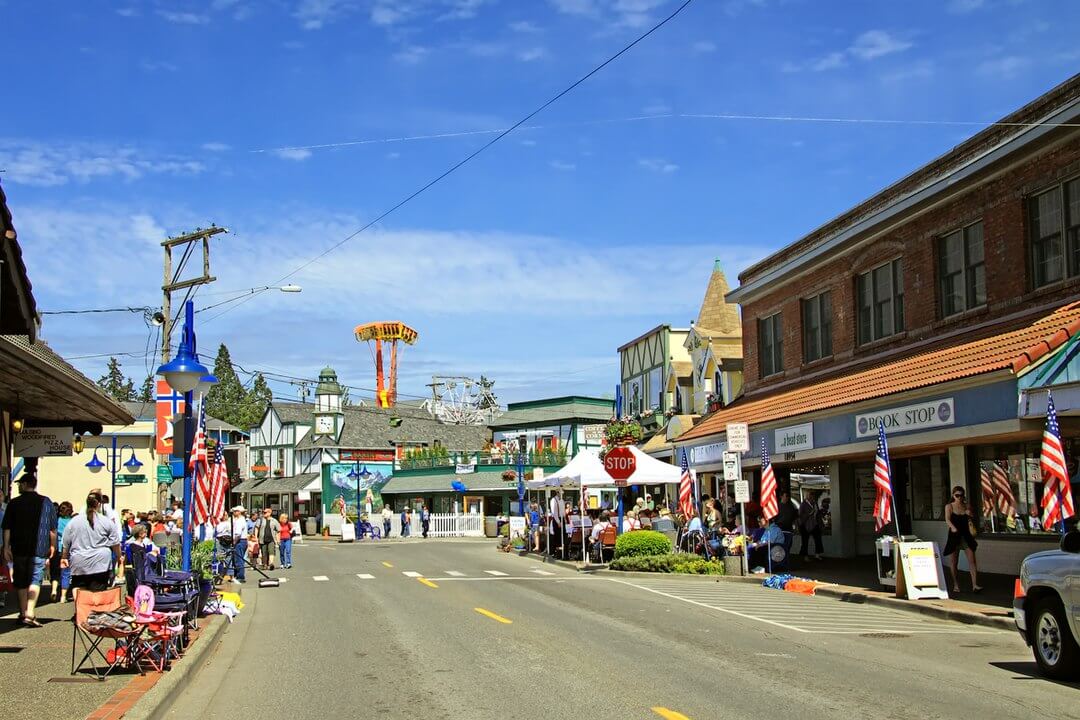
point(682, 563)
point(642, 543)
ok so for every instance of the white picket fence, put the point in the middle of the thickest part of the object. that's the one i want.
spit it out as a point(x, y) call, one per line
point(442, 525)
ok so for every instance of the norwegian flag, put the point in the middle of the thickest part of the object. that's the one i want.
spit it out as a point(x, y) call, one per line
point(883, 483)
point(1057, 499)
point(686, 488)
point(769, 506)
point(200, 470)
point(219, 484)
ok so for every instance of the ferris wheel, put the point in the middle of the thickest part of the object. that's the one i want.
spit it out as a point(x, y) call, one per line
point(462, 400)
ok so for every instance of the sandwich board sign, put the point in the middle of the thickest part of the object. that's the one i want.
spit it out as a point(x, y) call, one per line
point(918, 571)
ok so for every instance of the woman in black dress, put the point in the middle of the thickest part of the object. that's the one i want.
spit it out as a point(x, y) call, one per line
point(958, 520)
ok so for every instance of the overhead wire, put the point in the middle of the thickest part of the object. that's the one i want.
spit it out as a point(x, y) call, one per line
point(468, 158)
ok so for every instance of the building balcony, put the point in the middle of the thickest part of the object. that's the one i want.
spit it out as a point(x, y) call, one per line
point(488, 462)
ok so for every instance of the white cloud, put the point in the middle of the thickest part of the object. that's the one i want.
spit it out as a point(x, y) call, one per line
point(528, 143)
point(531, 54)
point(920, 70)
point(393, 155)
point(831, 61)
point(127, 12)
point(873, 44)
point(44, 165)
point(216, 147)
point(314, 14)
point(658, 165)
point(524, 26)
point(462, 9)
point(656, 108)
point(184, 18)
point(385, 13)
point(622, 13)
point(703, 46)
point(297, 154)
point(575, 7)
point(1004, 68)
point(562, 166)
point(959, 7)
point(411, 55)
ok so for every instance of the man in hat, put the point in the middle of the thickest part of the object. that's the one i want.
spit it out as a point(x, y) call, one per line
point(238, 530)
point(29, 529)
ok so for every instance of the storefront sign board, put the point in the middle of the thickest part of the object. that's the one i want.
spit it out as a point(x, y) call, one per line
point(921, 416)
point(919, 573)
point(794, 438)
point(738, 437)
point(348, 532)
point(592, 434)
point(706, 454)
point(465, 469)
point(517, 526)
point(43, 442)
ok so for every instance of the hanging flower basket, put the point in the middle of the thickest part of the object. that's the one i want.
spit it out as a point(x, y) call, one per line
point(509, 475)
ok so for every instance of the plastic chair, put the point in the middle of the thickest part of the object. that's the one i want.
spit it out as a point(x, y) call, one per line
point(164, 630)
point(86, 603)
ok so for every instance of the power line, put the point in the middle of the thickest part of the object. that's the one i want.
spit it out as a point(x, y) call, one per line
point(869, 121)
point(472, 155)
point(95, 310)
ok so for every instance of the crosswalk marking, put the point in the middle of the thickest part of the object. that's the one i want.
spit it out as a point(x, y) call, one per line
point(320, 578)
point(541, 572)
point(495, 573)
point(455, 573)
point(412, 574)
point(365, 576)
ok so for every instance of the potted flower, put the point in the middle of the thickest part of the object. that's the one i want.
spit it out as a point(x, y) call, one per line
point(509, 475)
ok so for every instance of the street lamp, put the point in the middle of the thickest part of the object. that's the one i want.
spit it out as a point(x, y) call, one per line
point(113, 455)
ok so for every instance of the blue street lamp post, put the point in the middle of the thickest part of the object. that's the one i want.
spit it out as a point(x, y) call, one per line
point(521, 481)
point(114, 455)
point(356, 475)
point(184, 374)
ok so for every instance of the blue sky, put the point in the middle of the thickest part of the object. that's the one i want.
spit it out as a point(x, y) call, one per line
point(124, 122)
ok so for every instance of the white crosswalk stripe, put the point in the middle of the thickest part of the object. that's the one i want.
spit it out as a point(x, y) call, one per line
point(365, 576)
point(799, 612)
point(455, 573)
point(495, 573)
point(412, 574)
point(320, 578)
point(541, 572)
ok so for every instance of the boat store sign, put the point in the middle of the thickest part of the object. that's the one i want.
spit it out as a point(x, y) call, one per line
point(936, 413)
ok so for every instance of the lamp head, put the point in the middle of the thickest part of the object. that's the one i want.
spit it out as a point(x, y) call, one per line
point(290, 288)
point(95, 465)
point(205, 383)
point(133, 464)
point(77, 444)
point(17, 425)
point(184, 371)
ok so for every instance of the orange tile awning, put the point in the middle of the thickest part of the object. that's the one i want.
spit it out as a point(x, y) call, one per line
point(1012, 350)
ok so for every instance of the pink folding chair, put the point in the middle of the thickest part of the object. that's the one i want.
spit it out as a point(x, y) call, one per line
point(161, 642)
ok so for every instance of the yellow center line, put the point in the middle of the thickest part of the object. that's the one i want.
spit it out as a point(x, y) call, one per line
point(427, 582)
point(493, 616)
point(386, 564)
point(669, 714)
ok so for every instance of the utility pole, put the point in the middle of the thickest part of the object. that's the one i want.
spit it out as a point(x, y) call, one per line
point(172, 282)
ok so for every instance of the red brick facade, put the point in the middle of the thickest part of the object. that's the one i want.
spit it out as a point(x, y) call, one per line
point(997, 197)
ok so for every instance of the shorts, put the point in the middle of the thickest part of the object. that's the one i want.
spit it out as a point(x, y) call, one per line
point(27, 571)
point(95, 582)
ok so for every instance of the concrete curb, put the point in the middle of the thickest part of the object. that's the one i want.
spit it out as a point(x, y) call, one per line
point(754, 579)
point(158, 699)
point(961, 616)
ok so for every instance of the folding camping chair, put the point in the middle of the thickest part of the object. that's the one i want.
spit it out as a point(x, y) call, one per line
point(164, 630)
point(174, 590)
point(121, 628)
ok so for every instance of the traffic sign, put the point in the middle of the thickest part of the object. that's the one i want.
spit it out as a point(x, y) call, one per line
point(742, 491)
point(130, 479)
point(731, 467)
point(620, 464)
point(164, 474)
point(738, 437)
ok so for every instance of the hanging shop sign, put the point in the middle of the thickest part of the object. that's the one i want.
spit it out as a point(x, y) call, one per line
point(465, 468)
point(922, 416)
point(706, 454)
point(367, 456)
point(738, 437)
point(592, 434)
point(794, 438)
point(43, 442)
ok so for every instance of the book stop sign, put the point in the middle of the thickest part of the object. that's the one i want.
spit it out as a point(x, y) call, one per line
point(620, 464)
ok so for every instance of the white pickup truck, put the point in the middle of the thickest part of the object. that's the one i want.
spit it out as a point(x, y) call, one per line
point(1046, 608)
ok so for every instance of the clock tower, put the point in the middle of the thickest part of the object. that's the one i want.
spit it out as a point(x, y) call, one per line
point(328, 415)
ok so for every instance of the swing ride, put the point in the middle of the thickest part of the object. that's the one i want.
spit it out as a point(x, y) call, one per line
point(375, 334)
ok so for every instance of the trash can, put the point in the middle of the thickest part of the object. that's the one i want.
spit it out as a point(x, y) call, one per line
point(310, 526)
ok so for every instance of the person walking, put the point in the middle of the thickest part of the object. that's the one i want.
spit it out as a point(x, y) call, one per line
point(534, 526)
point(239, 533)
point(29, 529)
point(387, 516)
point(267, 531)
point(810, 525)
point(556, 520)
point(60, 577)
point(92, 549)
point(959, 525)
point(285, 542)
point(787, 513)
point(425, 520)
point(406, 521)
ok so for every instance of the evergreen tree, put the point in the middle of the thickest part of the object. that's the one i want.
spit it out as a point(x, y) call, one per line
point(227, 400)
point(257, 399)
point(114, 384)
point(146, 392)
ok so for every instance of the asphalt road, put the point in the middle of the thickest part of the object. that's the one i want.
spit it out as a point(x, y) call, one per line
point(452, 629)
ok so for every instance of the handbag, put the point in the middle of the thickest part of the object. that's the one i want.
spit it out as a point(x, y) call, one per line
point(971, 528)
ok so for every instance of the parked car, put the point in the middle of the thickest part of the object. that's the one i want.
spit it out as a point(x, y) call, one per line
point(1046, 608)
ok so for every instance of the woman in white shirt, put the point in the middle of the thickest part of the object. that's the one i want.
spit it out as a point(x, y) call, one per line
point(630, 522)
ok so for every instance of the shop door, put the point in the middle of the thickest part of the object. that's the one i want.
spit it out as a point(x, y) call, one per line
point(474, 505)
point(901, 480)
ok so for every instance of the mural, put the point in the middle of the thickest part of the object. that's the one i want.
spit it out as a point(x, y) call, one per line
point(340, 490)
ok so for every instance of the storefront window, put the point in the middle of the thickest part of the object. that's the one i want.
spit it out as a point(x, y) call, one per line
point(927, 480)
point(1010, 486)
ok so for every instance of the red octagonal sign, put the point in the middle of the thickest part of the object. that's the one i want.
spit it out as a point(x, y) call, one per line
point(620, 464)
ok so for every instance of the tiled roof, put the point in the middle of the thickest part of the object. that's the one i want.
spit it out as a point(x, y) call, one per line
point(438, 482)
point(1004, 351)
point(717, 316)
point(573, 409)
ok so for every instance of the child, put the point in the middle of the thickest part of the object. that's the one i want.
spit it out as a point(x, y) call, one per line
point(285, 541)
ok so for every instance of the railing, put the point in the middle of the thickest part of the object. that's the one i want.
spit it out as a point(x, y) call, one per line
point(442, 525)
point(532, 458)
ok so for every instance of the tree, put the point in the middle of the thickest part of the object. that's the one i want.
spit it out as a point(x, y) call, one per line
point(114, 384)
point(258, 398)
point(227, 400)
point(146, 392)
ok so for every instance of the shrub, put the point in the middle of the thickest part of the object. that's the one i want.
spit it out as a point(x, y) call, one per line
point(680, 563)
point(642, 543)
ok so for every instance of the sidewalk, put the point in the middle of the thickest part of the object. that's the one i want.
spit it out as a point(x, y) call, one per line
point(37, 667)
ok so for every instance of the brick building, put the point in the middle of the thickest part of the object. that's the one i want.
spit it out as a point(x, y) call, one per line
point(921, 309)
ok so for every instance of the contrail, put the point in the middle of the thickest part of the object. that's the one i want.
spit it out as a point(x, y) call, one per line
point(465, 133)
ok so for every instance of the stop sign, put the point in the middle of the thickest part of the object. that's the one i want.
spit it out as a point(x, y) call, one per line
point(620, 463)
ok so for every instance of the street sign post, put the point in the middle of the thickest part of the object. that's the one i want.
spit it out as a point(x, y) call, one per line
point(738, 437)
point(731, 467)
point(164, 474)
point(738, 440)
point(620, 464)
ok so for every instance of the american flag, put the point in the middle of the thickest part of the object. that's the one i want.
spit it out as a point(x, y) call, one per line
point(1057, 500)
point(219, 484)
point(999, 478)
point(686, 488)
point(200, 470)
point(883, 483)
point(769, 507)
point(987, 488)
